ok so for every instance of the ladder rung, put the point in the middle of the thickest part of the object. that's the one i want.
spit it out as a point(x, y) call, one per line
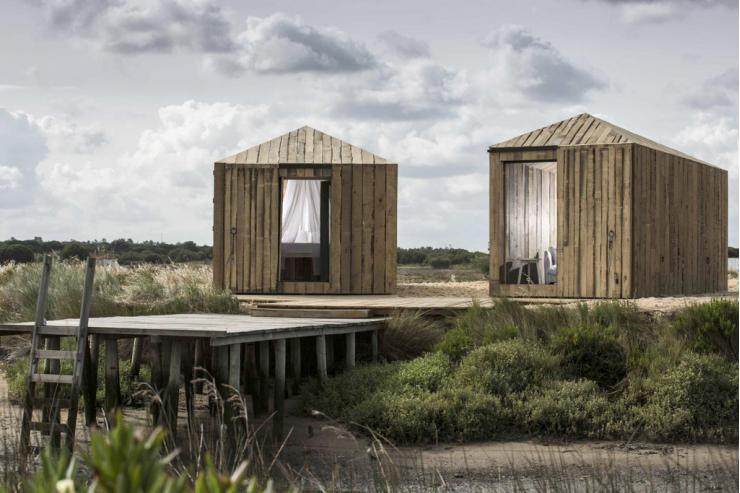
point(45, 428)
point(56, 330)
point(52, 378)
point(40, 402)
point(54, 354)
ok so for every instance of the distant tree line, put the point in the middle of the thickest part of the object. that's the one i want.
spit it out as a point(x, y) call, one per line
point(442, 258)
point(126, 251)
point(732, 252)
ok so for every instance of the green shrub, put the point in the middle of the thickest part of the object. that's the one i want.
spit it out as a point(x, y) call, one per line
point(710, 327)
point(696, 400)
point(19, 254)
point(506, 367)
point(347, 389)
point(74, 250)
point(475, 327)
point(409, 334)
point(426, 373)
point(453, 414)
point(439, 261)
point(567, 408)
point(593, 353)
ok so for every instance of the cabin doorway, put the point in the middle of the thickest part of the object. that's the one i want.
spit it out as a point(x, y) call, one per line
point(304, 230)
point(530, 221)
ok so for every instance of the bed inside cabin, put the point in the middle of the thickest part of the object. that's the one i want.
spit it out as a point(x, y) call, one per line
point(530, 222)
point(304, 230)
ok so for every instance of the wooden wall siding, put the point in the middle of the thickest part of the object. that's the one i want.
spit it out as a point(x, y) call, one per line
point(680, 225)
point(531, 206)
point(362, 257)
point(595, 227)
point(593, 221)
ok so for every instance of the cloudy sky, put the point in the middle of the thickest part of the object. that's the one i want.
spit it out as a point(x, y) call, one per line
point(113, 111)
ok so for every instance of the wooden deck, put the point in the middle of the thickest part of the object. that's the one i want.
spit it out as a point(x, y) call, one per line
point(380, 305)
point(220, 329)
point(241, 351)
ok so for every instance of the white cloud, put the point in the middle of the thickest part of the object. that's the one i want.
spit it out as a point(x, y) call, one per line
point(137, 26)
point(659, 11)
point(23, 146)
point(283, 44)
point(653, 12)
point(526, 68)
point(404, 46)
point(10, 178)
point(65, 136)
point(717, 93)
point(414, 89)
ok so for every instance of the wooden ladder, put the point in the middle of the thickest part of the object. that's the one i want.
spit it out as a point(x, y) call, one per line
point(52, 376)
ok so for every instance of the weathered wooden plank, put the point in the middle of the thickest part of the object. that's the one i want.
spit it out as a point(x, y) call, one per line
point(379, 228)
point(357, 226)
point(218, 226)
point(335, 258)
point(368, 185)
point(390, 227)
point(345, 283)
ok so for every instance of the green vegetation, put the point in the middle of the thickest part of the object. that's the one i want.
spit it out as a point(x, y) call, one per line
point(128, 460)
point(443, 258)
point(138, 290)
point(602, 371)
point(15, 253)
point(711, 327)
point(127, 252)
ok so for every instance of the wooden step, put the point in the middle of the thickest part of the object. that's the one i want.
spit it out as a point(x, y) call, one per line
point(45, 428)
point(265, 311)
point(54, 354)
point(51, 378)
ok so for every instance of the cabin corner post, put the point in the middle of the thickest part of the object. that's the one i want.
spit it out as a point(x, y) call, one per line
point(218, 226)
point(495, 218)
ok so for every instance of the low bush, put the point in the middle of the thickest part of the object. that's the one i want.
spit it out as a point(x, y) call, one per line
point(426, 373)
point(575, 409)
point(591, 352)
point(506, 367)
point(710, 327)
point(697, 400)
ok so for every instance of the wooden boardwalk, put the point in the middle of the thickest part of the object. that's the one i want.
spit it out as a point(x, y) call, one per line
point(239, 351)
point(380, 305)
point(219, 329)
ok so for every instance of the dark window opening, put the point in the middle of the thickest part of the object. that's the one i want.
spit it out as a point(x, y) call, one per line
point(304, 230)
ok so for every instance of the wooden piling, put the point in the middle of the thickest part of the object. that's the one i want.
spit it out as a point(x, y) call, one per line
point(330, 352)
point(277, 425)
point(89, 386)
point(374, 343)
point(172, 393)
point(264, 370)
point(349, 361)
point(252, 375)
point(136, 358)
point(321, 358)
point(112, 378)
point(295, 363)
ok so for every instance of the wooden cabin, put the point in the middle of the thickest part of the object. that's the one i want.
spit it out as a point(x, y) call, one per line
point(305, 213)
point(585, 209)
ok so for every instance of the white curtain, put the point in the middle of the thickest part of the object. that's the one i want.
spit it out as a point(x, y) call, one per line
point(301, 208)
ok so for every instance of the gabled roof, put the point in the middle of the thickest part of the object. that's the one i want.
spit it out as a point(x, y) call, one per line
point(584, 129)
point(305, 145)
